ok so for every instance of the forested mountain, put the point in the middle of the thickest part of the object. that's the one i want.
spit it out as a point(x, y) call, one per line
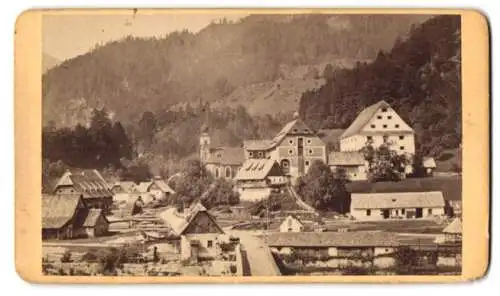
point(49, 62)
point(135, 75)
point(420, 77)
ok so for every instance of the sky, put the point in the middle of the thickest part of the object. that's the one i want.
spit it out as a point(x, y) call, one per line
point(66, 36)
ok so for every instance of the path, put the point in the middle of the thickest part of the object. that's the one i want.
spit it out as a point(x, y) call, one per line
point(300, 202)
point(260, 258)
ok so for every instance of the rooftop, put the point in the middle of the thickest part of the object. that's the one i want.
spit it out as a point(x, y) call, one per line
point(258, 169)
point(397, 200)
point(227, 155)
point(333, 239)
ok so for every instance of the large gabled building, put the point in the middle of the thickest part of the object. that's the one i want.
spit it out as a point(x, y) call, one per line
point(376, 125)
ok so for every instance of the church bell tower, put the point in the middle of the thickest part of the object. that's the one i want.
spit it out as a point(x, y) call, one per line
point(204, 145)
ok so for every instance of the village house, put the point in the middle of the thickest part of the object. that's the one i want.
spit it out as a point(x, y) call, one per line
point(397, 205)
point(429, 164)
point(155, 189)
point(221, 162)
point(257, 178)
point(291, 224)
point(376, 125)
point(452, 233)
point(66, 216)
point(338, 249)
point(353, 164)
point(295, 148)
point(199, 234)
point(90, 184)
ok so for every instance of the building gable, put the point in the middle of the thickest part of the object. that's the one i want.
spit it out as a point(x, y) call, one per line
point(386, 120)
point(294, 128)
point(202, 222)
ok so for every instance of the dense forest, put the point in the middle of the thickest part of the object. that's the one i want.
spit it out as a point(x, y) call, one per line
point(420, 77)
point(134, 75)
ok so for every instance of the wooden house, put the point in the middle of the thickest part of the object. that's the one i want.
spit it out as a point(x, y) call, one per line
point(257, 178)
point(291, 224)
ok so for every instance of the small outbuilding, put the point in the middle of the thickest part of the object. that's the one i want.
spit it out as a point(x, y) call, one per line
point(292, 224)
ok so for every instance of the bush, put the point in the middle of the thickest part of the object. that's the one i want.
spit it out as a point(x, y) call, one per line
point(66, 257)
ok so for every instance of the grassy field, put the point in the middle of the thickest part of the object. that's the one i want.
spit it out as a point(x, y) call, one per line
point(450, 186)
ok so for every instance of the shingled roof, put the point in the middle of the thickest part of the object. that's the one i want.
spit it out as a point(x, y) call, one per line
point(353, 158)
point(178, 222)
point(397, 200)
point(333, 239)
point(294, 127)
point(57, 210)
point(92, 217)
point(257, 144)
point(257, 169)
point(87, 182)
point(227, 155)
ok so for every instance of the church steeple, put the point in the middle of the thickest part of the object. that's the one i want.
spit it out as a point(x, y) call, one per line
point(204, 144)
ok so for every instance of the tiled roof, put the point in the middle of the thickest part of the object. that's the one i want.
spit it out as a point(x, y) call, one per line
point(454, 227)
point(363, 118)
point(428, 162)
point(257, 144)
point(397, 200)
point(346, 158)
point(57, 210)
point(256, 169)
point(227, 156)
point(333, 239)
point(92, 217)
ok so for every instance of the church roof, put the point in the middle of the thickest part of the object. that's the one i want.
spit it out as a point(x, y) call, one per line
point(227, 156)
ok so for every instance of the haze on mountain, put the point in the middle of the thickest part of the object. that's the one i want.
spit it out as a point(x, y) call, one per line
point(49, 62)
point(258, 61)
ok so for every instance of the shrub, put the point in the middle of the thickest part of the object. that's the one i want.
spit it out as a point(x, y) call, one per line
point(66, 257)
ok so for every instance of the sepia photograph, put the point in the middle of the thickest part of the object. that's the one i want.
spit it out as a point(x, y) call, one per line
point(245, 144)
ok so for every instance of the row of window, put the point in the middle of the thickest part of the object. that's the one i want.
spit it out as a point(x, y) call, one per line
point(403, 211)
point(380, 117)
point(384, 126)
point(310, 151)
point(291, 141)
point(370, 138)
point(259, 154)
point(228, 172)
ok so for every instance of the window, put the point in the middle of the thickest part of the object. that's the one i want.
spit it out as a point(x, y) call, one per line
point(284, 163)
point(209, 243)
point(310, 151)
point(396, 125)
point(372, 126)
point(250, 154)
point(401, 137)
point(384, 126)
point(397, 212)
point(306, 130)
point(216, 172)
point(429, 211)
point(386, 138)
point(290, 151)
point(369, 138)
point(379, 117)
point(402, 148)
point(384, 109)
point(307, 162)
point(402, 211)
point(290, 142)
point(261, 154)
point(389, 117)
point(309, 141)
point(295, 130)
point(368, 212)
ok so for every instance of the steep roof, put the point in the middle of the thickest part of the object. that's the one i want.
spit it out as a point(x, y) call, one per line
point(294, 127)
point(397, 200)
point(163, 185)
point(257, 169)
point(90, 183)
point(179, 222)
point(257, 144)
point(454, 227)
point(363, 118)
point(57, 210)
point(353, 158)
point(227, 156)
point(294, 218)
point(429, 162)
point(333, 239)
point(92, 217)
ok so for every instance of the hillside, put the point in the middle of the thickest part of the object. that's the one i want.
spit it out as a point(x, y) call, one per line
point(420, 77)
point(224, 60)
point(49, 62)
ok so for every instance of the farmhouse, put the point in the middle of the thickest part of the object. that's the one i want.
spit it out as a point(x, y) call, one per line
point(352, 163)
point(67, 216)
point(399, 205)
point(341, 249)
point(90, 184)
point(376, 125)
point(199, 233)
point(292, 224)
point(258, 177)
